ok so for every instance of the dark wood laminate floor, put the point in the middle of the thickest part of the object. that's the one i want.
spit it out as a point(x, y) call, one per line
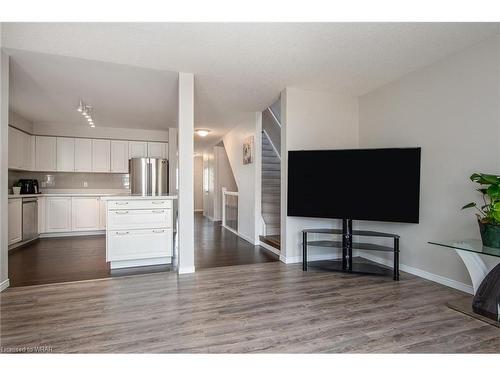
point(215, 246)
point(234, 310)
point(53, 260)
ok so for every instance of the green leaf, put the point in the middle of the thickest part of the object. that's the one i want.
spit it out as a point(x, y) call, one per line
point(496, 207)
point(494, 192)
point(485, 179)
point(469, 205)
point(496, 215)
point(482, 190)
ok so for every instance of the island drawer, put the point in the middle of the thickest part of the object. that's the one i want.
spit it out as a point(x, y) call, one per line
point(139, 244)
point(139, 204)
point(139, 219)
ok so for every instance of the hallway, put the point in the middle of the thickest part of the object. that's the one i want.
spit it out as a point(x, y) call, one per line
point(218, 247)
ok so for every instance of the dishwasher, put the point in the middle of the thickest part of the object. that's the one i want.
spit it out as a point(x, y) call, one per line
point(30, 219)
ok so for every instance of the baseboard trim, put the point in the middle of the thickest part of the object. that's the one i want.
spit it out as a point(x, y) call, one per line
point(241, 235)
point(72, 234)
point(269, 248)
point(4, 285)
point(421, 273)
point(386, 262)
point(186, 270)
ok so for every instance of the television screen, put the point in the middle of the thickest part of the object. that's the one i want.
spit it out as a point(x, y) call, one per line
point(361, 184)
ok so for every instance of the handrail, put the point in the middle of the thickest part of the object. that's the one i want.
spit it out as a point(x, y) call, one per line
point(272, 144)
point(274, 116)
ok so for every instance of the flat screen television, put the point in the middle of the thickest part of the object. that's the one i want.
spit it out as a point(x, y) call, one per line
point(359, 184)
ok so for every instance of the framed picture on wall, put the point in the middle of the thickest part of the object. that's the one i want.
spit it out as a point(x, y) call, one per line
point(248, 150)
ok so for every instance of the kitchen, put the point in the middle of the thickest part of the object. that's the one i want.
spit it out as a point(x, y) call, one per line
point(82, 188)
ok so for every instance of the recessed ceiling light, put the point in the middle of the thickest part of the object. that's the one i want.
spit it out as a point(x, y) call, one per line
point(202, 132)
point(80, 107)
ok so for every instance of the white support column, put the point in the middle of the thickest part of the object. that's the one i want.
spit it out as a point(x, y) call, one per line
point(186, 168)
point(4, 144)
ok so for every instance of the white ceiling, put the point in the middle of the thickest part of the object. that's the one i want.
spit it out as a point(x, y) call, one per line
point(47, 89)
point(239, 68)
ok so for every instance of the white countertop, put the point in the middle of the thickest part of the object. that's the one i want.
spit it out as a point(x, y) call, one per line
point(74, 193)
point(138, 197)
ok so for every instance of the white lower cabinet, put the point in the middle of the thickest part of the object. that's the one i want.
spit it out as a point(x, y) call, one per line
point(139, 232)
point(58, 214)
point(85, 213)
point(102, 214)
point(15, 215)
point(139, 244)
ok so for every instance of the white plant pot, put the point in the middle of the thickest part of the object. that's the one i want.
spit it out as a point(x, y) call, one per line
point(16, 190)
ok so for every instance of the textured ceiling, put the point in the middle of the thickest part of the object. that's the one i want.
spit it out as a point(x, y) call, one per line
point(240, 68)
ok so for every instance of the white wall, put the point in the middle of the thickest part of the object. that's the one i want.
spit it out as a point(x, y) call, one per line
point(451, 110)
point(209, 183)
point(311, 120)
point(247, 177)
point(4, 125)
point(186, 183)
point(198, 183)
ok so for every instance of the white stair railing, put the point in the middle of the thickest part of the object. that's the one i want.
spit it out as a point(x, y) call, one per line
point(230, 210)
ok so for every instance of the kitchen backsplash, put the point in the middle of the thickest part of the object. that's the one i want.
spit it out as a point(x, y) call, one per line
point(61, 180)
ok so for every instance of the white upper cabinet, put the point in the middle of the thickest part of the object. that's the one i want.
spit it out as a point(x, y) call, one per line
point(83, 155)
point(137, 149)
point(13, 162)
point(158, 150)
point(46, 152)
point(119, 156)
point(101, 155)
point(65, 154)
point(19, 149)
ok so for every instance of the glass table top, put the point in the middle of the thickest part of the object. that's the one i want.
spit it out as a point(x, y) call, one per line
point(474, 246)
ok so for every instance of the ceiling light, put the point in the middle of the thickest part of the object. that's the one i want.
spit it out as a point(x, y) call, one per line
point(202, 132)
point(86, 111)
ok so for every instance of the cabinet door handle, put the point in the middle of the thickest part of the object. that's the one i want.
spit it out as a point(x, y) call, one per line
point(154, 202)
point(121, 203)
point(121, 212)
point(158, 211)
point(122, 233)
point(158, 231)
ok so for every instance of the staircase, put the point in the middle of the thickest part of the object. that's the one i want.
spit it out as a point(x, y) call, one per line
point(271, 175)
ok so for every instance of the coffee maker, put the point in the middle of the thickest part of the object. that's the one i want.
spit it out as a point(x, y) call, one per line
point(29, 186)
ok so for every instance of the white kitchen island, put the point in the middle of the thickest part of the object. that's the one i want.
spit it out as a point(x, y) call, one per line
point(139, 230)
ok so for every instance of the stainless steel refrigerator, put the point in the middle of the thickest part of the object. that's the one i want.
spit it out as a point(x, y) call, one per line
point(148, 176)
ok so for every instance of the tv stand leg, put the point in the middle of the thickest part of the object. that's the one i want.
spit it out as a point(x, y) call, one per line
point(304, 251)
point(347, 245)
point(396, 259)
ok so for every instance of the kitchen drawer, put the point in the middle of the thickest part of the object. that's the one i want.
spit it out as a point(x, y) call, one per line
point(139, 204)
point(139, 244)
point(139, 219)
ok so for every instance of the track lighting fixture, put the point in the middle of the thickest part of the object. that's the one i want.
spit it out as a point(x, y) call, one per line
point(86, 111)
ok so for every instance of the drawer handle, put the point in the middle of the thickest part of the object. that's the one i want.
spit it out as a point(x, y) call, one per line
point(158, 211)
point(122, 233)
point(121, 203)
point(158, 231)
point(154, 202)
point(121, 212)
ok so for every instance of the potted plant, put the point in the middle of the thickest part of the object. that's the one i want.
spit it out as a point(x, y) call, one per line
point(489, 213)
point(16, 188)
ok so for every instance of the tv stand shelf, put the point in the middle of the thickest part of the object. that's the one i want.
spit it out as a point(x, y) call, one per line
point(347, 244)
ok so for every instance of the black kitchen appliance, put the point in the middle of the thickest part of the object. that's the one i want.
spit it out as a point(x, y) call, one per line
point(29, 186)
